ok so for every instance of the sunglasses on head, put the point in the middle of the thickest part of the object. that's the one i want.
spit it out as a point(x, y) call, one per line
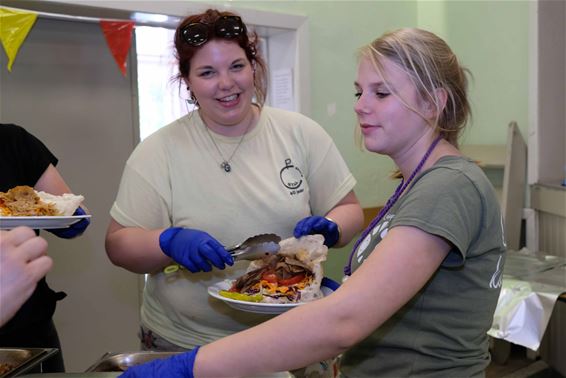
point(197, 33)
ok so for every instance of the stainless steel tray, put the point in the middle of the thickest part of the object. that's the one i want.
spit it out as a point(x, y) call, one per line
point(121, 361)
point(23, 359)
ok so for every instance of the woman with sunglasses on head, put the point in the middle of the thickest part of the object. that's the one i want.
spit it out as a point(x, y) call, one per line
point(424, 278)
point(231, 169)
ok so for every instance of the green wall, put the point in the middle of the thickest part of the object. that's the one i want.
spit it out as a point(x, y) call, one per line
point(490, 38)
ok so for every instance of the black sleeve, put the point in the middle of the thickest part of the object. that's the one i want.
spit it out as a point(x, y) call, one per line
point(23, 157)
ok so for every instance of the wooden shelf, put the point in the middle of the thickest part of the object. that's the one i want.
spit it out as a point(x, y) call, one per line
point(549, 198)
point(489, 156)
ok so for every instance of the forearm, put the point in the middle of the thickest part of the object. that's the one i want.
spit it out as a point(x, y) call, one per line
point(401, 265)
point(349, 216)
point(135, 249)
point(52, 182)
point(311, 333)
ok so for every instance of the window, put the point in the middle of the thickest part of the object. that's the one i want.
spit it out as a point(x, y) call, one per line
point(161, 96)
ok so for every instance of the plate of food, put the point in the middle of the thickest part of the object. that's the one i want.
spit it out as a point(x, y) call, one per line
point(24, 206)
point(277, 283)
point(257, 307)
point(44, 223)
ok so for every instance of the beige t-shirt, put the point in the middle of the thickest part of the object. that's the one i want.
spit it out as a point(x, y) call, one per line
point(285, 169)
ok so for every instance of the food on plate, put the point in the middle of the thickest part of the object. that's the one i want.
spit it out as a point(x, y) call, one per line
point(293, 275)
point(25, 201)
point(6, 367)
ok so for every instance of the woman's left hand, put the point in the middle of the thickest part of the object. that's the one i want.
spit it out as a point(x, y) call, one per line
point(318, 225)
point(76, 229)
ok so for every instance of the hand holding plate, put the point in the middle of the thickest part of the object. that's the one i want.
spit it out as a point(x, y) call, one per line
point(74, 230)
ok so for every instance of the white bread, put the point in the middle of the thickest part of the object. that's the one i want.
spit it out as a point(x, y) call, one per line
point(66, 204)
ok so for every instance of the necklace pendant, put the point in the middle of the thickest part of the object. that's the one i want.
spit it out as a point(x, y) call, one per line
point(226, 166)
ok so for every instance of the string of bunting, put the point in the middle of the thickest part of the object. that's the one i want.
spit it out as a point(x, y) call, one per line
point(15, 26)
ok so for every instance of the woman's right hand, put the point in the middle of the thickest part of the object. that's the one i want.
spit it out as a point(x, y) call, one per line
point(23, 262)
point(179, 365)
point(194, 249)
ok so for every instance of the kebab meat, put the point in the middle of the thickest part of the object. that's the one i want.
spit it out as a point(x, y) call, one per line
point(293, 275)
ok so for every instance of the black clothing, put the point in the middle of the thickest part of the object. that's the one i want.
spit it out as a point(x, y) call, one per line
point(23, 159)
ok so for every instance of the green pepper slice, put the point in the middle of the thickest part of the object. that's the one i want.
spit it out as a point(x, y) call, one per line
point(241, 297)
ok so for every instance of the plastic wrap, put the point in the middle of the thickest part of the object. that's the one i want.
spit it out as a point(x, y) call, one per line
point(531, 286)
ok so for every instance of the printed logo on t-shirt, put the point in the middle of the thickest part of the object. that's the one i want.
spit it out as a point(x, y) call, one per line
point(373, 238)
point(503, 232)
point(497, 276)
point(292, 178)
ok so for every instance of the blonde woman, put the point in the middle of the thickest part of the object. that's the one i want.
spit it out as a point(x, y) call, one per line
point(424, 278)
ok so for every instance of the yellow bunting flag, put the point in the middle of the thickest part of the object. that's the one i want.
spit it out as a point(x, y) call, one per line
point(14, 28)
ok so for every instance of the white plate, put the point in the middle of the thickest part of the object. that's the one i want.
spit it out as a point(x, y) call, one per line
point(40, 222)
point(259, 308)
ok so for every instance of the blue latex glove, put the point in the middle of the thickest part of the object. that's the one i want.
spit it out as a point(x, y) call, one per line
point(75, 229)
point(194, 249)
point(329, 283)
point(318, 225)
point(180, 365)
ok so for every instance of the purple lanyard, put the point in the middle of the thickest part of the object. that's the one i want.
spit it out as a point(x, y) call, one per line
point(390, 202)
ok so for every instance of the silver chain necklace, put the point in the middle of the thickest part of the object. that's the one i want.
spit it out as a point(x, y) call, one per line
point(225, 165)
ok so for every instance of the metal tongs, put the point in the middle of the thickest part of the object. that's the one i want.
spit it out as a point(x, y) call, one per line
point(256, 247)
point(253, 248)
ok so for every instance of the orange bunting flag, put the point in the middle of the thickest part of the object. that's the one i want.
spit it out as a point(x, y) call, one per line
point(118, 36)
point(14, 28)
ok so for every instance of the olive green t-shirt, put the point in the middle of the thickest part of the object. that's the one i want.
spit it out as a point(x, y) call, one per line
point(442, 330)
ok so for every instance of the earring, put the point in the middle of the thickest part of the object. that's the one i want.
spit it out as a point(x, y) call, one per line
point(192, 100)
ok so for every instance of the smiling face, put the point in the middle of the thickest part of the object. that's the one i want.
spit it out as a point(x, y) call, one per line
point(389, 122)
point(221, 78)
